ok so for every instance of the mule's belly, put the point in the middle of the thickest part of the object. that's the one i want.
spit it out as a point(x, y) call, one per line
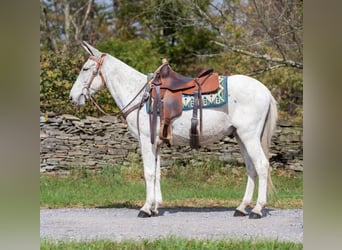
point(215, 126)
point(184, 140)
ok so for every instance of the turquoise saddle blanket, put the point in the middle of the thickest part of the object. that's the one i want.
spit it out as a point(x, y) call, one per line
point(209, 100)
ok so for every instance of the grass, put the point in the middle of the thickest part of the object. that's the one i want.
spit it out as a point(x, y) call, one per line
point(208, 184)
point(172, 243)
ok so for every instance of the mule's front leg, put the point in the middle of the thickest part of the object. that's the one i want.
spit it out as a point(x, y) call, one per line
point(151, 160)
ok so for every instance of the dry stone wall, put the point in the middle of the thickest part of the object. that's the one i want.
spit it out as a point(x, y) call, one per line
point(67, 141)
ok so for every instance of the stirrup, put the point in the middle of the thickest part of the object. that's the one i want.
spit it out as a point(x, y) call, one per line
point(165, 133)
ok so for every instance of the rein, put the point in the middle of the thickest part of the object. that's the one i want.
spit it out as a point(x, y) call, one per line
point(123, 112)
point(120, 112)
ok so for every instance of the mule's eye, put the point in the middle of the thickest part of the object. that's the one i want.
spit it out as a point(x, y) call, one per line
point(85, 69)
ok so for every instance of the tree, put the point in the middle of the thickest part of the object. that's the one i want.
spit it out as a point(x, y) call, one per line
point(64, 23)
point(262, 29)
point(166, 23)
point(262, 38)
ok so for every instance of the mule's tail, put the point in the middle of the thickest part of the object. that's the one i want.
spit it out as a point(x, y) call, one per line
point(268, 131)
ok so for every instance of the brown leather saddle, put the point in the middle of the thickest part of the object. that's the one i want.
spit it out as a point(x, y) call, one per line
point(166, 90)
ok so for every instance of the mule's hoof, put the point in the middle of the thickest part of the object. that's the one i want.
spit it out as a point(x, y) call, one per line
point(238, 213)
point(143, 214)
point(154, 213)
point(253, 215)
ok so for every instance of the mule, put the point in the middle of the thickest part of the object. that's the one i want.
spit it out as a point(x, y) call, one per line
point(250, 116)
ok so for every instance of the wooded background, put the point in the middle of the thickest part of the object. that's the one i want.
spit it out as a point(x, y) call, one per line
point(259, 38)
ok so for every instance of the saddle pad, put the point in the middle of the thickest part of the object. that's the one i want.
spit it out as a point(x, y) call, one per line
point(209, 100)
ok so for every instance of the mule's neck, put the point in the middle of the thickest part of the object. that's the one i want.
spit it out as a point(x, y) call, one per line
point(123, 82)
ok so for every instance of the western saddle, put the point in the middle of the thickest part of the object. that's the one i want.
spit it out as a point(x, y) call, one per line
point(166, 88)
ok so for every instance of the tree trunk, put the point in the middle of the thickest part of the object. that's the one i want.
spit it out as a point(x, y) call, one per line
point(51, 41)
point(66, 25)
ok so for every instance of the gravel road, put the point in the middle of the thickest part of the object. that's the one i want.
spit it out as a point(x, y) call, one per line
point(119, 224)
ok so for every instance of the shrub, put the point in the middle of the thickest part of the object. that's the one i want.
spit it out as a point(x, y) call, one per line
point(57, 75)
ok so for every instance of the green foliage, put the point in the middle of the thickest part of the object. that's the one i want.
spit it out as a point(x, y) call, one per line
point(173, 243)
point(57, 74)
point(191, 42)
point(137, 53)
point(286, 84)
point(126, 15)
point(179, 40)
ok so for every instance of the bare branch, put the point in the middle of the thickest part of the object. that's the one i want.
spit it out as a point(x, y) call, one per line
point(267, 69)
point(267, 30)
point(80, 9)
point(267, 58)
point(206, 17)
point(79, 28)
point(90, 2)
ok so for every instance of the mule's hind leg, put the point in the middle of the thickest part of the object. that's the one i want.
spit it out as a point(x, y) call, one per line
point(261, 164)
point(247, 198)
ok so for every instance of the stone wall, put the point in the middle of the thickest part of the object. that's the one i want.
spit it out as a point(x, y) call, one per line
point(67, 141)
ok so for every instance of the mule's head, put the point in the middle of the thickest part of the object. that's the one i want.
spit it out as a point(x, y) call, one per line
point(90, 78)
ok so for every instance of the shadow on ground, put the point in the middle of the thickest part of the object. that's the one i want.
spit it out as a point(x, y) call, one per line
point(173, 210)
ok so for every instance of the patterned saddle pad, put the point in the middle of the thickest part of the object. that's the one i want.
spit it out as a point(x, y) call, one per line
point(209, 100)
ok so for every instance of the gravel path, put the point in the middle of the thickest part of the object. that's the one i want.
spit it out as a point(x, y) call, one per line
point(199, 223)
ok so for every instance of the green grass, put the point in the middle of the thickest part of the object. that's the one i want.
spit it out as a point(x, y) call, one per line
point(208, 184)
point(172, 243)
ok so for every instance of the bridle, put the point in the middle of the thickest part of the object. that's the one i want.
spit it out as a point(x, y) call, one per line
point(87, 95)
point(97, 70)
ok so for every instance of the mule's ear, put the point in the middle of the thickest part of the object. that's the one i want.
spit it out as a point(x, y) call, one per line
point(85, 46)
point(90, 49)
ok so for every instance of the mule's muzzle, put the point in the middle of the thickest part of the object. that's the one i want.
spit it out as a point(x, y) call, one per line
point(73, 101)
point(77, 101)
